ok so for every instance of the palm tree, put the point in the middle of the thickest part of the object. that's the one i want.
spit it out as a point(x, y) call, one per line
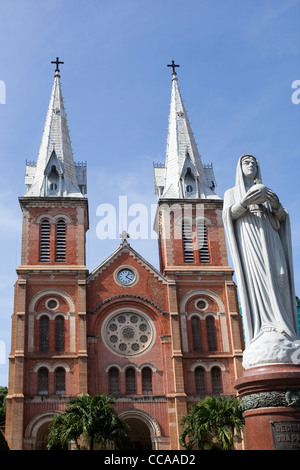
point(215, 423)
point(91, 419)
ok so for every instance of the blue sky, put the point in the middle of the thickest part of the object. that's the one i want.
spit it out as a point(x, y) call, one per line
point(238, 60)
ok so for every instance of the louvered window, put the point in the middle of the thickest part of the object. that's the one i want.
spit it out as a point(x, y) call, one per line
point(61, 240)
point(60, 381)
point(203, 243)
point(196, 334)
point(147, 381)
point(211, 334)
point(44, 334)
point(43, 381)
point(216, 381)
point(187, 238)
point(45, 241)
point(130, 381)
point(200, 381)
point(114, 381)
point(59, 333)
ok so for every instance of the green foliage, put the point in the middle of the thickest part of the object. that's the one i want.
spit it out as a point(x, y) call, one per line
point(3, 393)
point(215, 423)
point(89, 420)
point(3, 443)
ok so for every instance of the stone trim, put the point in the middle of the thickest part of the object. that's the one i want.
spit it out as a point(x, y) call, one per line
point(288, 398)
point(129, 296)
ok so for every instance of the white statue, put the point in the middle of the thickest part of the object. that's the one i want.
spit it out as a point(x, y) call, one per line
point(258, 233)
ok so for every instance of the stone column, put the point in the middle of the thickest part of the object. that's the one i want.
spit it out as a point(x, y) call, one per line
point(177, 406)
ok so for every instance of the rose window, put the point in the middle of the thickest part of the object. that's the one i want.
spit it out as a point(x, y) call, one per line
point(128, 333)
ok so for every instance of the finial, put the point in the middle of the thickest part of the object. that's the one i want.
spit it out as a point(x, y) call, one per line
point(173, 66)
point(57, 62)
point(124, 235)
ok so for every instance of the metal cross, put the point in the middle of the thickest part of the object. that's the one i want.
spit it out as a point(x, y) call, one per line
point(124, 235)
point(57, 62)
point(173, 66)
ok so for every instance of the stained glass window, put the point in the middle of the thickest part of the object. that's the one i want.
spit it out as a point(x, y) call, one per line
point(211, 334)
point(216, 381)
point(200, 380)
point(60, 381)
point(196, 334)
point(44, 334)
point(114, 381)
point(147, 381)
point(59, 333)
point(43, 381)
point(130, 381)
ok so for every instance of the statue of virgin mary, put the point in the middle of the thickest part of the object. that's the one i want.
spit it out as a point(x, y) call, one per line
point(259, 238)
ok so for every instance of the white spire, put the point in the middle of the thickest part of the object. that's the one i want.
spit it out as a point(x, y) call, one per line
point(184, 175)
point(55, 173)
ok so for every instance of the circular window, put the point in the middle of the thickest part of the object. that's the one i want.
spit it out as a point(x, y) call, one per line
point(201, 304)
point(128, 333)
point(52, 304)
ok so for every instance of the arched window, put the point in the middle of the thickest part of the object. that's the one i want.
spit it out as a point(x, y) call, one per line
point(202, 242)
point(130, 381)
point(187, 238)
point(113, 381)
point(216, 377)
point(43, 381)
point(61, 240)
point(200, 381)
point(45, 240)
point(211, 333)
point(196, 333)
point(189, 183)
point(59, 333)
point(147, 381)
point(60, 381)
point(53, 180)
point(44, 333)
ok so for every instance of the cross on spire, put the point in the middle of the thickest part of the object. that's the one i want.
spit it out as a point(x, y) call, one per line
point(173, 65)
point(57, 62)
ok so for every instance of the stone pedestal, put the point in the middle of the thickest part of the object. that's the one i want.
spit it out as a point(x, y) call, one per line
point(270, 396)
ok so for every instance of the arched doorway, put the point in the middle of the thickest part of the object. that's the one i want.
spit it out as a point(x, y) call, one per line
point(37, 430)
point(42, 436)
point(139, 434)
point(144, 430)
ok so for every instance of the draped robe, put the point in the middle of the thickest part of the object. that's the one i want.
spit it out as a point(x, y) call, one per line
point(260, 244)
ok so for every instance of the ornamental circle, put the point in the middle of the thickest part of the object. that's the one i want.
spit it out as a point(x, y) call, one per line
point(128, 333)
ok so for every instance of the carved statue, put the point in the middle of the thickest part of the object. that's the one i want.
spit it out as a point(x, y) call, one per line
point(258, 233)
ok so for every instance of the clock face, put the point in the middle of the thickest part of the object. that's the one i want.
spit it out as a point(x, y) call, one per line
point(126, 276)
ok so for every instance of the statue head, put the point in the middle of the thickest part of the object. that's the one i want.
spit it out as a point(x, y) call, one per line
point(249, 167)
point(247, 173)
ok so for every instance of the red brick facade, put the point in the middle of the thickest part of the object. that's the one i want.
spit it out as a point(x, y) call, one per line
point(158, 344)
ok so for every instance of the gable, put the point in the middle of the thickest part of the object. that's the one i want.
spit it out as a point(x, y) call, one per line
point(125, 248)
point(109, 281)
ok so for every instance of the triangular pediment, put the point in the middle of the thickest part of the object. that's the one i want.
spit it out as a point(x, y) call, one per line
point(188, 163)
point(53, 161)
point(126, 248)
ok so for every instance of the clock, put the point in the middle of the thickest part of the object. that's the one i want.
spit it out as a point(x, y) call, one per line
point(126, 276)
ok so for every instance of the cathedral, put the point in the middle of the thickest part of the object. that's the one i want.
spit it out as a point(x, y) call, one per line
point(156, 340)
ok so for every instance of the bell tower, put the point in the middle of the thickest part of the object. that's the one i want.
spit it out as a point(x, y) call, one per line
point(206, 327)
point(48, 359)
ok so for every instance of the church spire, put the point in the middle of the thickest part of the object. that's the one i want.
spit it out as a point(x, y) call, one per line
point(55, 173)
point(183, 175)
